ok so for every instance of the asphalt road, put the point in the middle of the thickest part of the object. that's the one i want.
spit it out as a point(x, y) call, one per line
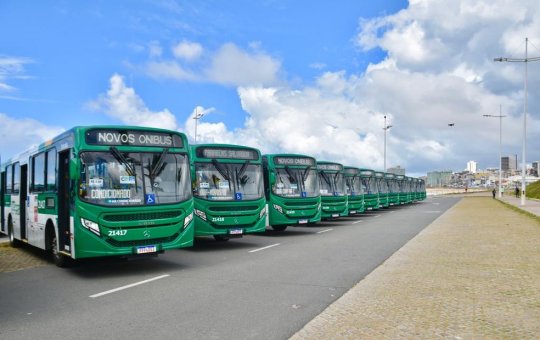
point(261, 286)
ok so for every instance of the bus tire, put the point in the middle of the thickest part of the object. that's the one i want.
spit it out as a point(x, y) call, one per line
point(279, 227)
point(221, 238)
point(13, 242)
point(59, 259)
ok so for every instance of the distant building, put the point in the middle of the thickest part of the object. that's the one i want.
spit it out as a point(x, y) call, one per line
point(536, 168)
point(509, 163)
point(398, 170)
point(438, 178)
point(471, 167)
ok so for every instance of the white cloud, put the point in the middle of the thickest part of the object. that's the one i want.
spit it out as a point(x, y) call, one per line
point(229, 65)
point(438, 69)
point(122, 103)
point(233, 66)
point(154, 49)
point(11, 68)
point(187, 50)
point(169, 70)
point(17, 135)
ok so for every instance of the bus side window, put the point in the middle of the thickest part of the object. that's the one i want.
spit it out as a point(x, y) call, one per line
point(16, 178)
point(50, 176)
point(9, 179)
point(38, 173)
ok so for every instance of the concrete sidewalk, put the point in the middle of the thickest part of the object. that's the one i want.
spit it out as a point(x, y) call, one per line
point(473, 273)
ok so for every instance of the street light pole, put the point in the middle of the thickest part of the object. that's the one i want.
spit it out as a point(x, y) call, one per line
point(386, 127)
point(524, 161)
point(500, 116)
point(197, 117)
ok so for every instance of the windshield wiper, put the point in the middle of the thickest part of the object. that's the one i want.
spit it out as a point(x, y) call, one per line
point(292, 177)
point(241, 180)
point(120, 157)
point(223, 172)
point(159, 165)
point(305, 174)
point(326, 179)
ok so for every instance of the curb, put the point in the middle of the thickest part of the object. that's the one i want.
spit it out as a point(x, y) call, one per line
point(519, 210)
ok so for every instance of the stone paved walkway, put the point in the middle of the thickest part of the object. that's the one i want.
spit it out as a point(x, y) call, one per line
point(472, 274)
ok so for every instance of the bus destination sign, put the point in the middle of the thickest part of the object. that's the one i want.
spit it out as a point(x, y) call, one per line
point(280, 160)
point(229, 153)
point(133, 138)
point(352, 171)
point(331, 167)
point(366, 173)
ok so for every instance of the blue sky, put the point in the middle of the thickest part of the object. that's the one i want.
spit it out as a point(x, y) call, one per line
point(73, 48)
point(286, 76)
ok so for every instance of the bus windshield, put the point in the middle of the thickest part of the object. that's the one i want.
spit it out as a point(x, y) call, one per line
point(228, 181)
point(296, 182)
point(353, 185)
point(119, 179)
point(331, 184)
point(370, 185)
point(383, 186)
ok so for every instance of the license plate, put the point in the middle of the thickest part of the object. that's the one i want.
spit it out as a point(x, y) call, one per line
point(146, 249)
point(352, 212)
point(302, 221)
point(236, 232)
point(335, 215)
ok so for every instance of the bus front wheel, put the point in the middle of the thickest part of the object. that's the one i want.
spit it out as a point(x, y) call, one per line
point(58, 258)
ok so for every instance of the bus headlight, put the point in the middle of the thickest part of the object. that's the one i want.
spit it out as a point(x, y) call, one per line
point(278, 208)
point(188, 219)
point(263, 211)
point(92, 226)
point(200, 213)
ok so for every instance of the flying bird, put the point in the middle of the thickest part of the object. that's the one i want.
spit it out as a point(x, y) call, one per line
point(451, 124)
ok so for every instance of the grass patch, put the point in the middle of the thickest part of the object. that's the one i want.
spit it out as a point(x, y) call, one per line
point(533, 190)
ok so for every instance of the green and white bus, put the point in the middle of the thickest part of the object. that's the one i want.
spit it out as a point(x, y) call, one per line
point(403, 184)
point(355, 190)
point(371, 193)
point(393, 189)
point(422, 189)
point(228, 190)
point(382, 185)
point(100, 191)
point(292, 190)
point(332, 189)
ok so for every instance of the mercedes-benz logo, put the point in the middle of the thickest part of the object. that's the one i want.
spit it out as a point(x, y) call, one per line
point(235, 221)
point(146, 233)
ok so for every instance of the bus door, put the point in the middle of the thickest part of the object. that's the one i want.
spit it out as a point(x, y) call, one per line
point(2, 203)
point(23, 195)
point(63, 201)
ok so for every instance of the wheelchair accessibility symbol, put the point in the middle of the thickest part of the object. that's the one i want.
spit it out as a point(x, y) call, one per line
point(238, 196)
point(150, 198)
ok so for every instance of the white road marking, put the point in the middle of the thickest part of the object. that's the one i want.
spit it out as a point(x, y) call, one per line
point(263, 248)
point(324, 231)
point(432, 211)
point(128, 286)
point(357, 221)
